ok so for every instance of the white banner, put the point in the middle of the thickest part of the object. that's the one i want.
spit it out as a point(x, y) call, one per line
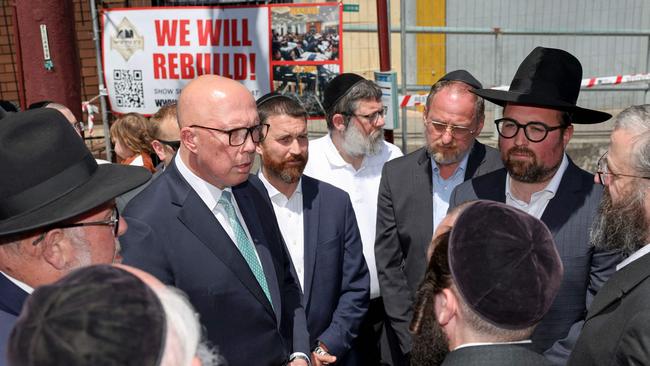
point(151, 53)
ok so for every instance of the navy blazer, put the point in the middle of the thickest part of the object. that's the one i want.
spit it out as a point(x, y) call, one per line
point(405, 228)
point(173, 235)
point(12, 298)
point(337, 282)
point(569, 216)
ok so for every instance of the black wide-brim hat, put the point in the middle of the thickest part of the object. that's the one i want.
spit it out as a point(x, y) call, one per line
point(547, 78)
point(49, 175)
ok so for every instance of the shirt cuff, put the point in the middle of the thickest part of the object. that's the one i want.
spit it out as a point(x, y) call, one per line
point(300, 355)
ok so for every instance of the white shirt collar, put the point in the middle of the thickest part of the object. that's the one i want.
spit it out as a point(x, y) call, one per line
point(209, 194)
point(636, 255)
point(336, 160)
point(475, 344)
point(273, 191)
point(553, 185)
point(25, 287)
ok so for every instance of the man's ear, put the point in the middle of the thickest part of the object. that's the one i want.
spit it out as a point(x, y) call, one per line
point(188, 139)
point(446, 306)
point(566, 137)
point(56, 249)
point(338, 120)
point(159, 149)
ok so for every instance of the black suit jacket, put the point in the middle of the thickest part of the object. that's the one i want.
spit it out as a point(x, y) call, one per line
point(569, 216)
point(405, 228)
point(12, 298)
point(337, 283)
point(173, 235)
point(495, 355)
point(617, 327)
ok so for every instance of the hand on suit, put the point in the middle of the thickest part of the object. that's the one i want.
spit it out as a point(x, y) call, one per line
point(321, 356)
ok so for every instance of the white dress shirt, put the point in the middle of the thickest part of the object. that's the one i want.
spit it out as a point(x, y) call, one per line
point(210, 195)
point(326, 164)
point(538, 200)
point(636, 255)
point(288, 212)
point(476, 344)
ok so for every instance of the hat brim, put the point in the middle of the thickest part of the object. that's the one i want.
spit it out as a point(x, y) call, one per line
point(579, 115)
point(108, 182)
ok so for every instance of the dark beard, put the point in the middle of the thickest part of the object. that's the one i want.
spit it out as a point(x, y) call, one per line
point(285, 173)
point(430, 344)
point(527, 172)
point(621, 226)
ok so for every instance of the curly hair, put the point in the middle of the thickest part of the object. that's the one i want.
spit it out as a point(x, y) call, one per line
point(132, 130)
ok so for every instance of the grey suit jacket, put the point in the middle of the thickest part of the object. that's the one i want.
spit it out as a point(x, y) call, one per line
point(405, 227)
point(495, 355)
point(617, 327)
point(569, 216)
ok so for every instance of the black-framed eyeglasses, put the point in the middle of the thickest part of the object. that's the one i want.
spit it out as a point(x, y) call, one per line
point(455, 130)
point(79, 126)
point(175, 144)
point(237, 136)
point(604, 175)
point(114, 221)
point(534, 131)
point(372, 118)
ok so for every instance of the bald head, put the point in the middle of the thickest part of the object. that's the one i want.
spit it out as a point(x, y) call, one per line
point(210, 108)
point(210, 93)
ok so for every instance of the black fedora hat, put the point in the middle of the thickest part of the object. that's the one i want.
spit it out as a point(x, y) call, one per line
point(548, 78)
point(49, 175)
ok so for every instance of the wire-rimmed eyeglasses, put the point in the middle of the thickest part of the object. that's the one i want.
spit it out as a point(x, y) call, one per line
point(455, 130)
point(534, 131)
point(237, 136)
point(372, 118)
point(604, 175)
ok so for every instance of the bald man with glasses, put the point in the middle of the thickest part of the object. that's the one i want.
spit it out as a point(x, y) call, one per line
point(202, 227)
point(539, 111)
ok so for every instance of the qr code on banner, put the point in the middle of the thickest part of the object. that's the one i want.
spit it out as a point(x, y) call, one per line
point(129, 91)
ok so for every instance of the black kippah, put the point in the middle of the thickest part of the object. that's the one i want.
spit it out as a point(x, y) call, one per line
point(504, 264)
point(338, 88)
point(464, 76)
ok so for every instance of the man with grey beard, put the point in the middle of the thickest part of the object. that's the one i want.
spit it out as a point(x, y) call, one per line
point(539, 111)
point(616, 328)
point(320, 230)
point(414, 193)
point(351, 157)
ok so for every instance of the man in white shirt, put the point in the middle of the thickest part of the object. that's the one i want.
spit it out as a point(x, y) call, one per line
point(320, 230)
point(351, 157)
point(539, 111)
point(486, 289)
point(616, 328)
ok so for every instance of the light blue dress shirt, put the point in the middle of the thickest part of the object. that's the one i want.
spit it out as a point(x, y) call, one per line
point(442, 188)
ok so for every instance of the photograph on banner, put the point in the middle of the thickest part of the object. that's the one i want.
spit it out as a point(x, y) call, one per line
point(306, 51)
point(150, 54)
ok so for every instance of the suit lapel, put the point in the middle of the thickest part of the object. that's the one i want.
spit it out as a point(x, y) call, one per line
point(491, 186)
point(422, 191)
point(475, 159)
point(12, 297)
point(563, 205)
point(620, 284)
point(311, 207)
point(196, 216)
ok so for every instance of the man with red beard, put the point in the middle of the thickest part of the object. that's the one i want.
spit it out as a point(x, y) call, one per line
point(414, 193)
point(540, 179)
point(616, 328)
point(351, 157)
point(320, 230)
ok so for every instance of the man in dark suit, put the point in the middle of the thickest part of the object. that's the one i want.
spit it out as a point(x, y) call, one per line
point(539, 178)
point(320, 230)
point(414, 193)
point(616, 328)
point(204, 229)
point(56, 210)
point(485, 289)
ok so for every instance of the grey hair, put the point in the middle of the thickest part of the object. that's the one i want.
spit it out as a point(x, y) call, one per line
point(479, 103)
point(363, 90)
point(636, 119)
point(183, 340)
